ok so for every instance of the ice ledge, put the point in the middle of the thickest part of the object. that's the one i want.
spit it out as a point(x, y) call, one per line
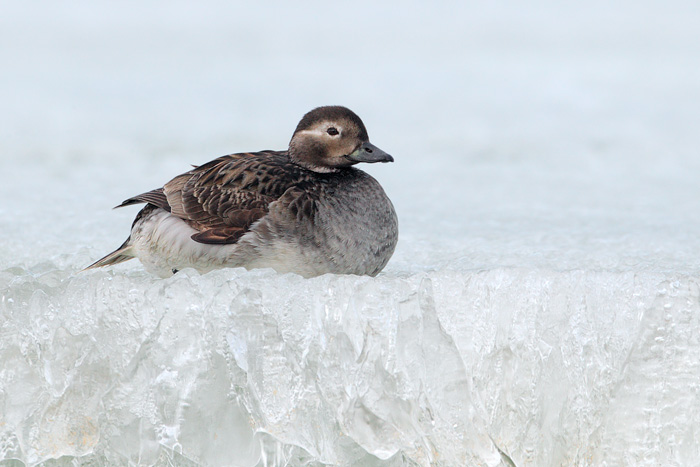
point(236, 368)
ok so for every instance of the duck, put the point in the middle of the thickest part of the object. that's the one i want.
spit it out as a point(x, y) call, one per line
point(306, 210)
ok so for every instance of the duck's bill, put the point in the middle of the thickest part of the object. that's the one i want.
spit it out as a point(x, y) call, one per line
point(368, 152)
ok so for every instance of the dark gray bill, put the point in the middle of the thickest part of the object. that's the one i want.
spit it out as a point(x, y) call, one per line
point(368, 152)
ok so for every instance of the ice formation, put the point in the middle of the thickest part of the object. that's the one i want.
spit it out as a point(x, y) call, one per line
point(239, 368)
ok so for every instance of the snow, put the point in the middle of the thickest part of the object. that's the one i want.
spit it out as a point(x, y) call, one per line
point(543, 303)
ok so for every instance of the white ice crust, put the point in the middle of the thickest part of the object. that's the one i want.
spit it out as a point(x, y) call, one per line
point(240, 368)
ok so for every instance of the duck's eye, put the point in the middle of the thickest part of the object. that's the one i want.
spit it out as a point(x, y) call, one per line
point(332, 131)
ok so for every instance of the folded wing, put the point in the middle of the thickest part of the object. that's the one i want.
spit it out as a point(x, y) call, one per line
point(223, 198)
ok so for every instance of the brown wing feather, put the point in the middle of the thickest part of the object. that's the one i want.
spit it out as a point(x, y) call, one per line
point(224, 197)
point(219, 236)
point(155, 197)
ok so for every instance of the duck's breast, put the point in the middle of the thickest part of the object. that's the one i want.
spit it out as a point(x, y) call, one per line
point(341, 223)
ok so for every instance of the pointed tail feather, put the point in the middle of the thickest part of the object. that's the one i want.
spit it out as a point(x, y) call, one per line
point(121, 254)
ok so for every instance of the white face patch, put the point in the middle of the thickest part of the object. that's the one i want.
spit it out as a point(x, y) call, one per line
point(317, 133)
point(320, 130)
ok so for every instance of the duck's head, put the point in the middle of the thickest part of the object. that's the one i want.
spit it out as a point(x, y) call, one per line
point(331, 138)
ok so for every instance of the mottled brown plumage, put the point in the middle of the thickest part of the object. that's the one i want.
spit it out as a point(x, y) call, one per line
point(223, 198)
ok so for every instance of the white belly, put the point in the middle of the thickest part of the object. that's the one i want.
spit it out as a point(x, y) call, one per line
point(163, 242)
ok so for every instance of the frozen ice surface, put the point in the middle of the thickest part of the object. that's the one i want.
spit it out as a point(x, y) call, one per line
point(542, 307)
point(238, 368)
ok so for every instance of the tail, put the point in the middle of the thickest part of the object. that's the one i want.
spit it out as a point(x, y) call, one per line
point(121, 254)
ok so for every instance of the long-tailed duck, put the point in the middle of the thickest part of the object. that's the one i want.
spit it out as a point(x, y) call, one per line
point(305, 210)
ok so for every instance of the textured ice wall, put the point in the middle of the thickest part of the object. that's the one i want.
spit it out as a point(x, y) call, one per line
point(236, 368)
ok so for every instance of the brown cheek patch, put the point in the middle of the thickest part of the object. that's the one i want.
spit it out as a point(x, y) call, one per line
point(342, 147)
